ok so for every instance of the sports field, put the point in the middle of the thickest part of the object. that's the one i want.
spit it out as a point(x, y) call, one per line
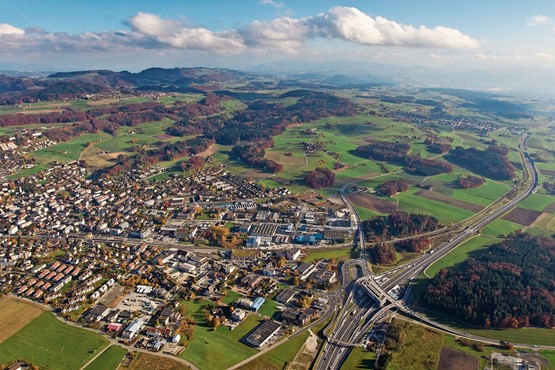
point(14, 315)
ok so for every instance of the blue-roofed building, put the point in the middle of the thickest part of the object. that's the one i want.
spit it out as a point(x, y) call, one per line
point(305, 239)
point(257, 303)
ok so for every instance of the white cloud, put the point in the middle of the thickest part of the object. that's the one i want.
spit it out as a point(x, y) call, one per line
point(539, 19)
point(353, 25)
point(283, 34)
point(173, 34)
point(350, 24)
point(8, 29)
point(274, 3)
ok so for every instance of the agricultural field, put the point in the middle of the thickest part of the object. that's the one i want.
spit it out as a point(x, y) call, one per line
point(379, 205)
point(500, 227)
point(108, 360)
point(14, 315)
point(51, 344)
point(444, 212)
point(522, 216)
point(456, 360)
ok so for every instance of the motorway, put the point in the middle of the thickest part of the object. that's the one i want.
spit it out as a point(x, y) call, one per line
point(354, 320)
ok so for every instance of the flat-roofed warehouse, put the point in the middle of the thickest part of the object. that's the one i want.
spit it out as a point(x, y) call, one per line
point(263, 333)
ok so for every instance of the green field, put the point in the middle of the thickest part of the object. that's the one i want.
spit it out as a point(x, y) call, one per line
point(359, 358)
point(418, 348)
point(537, 202)
point(27, 172)
point(218, 349)
point(108, 360)
point(143, 134)
point(313, 255)
point(51, 344)
point(444, 212)
point(483, 195)
point(500, 227)
point(70, 151)
point(365, 213)
point(269, 308)
point(277, 358)
point(460, 254)
point(528, 336)
point(549, 356)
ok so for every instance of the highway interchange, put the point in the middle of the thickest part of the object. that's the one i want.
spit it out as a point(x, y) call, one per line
point(359, 312)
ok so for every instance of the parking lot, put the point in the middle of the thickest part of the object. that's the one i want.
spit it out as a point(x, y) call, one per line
point(138, 302)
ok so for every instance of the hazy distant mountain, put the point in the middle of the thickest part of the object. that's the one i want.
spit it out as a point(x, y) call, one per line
point(509, 80)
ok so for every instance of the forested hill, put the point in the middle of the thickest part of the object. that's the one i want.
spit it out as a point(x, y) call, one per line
point(512, 285)
point(70, 85)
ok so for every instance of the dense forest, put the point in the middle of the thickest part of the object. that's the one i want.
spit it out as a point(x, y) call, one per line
point(399, 225)
point(470, 182)
point(320, 178)
point(397, 153)
point(394, 151)
point(437, 147)
point(253, 154)
point(392, 187)
point(263, 119)
point(492, 162)
point(510, 285)
point(426, 167)
point(385, 253)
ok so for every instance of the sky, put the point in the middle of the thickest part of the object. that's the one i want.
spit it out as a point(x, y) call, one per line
point(137, 34)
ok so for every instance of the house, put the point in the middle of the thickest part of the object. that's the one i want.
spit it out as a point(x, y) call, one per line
point(263, 333)
point(238, 314)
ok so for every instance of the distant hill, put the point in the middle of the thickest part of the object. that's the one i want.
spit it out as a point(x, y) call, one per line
point(62, 85)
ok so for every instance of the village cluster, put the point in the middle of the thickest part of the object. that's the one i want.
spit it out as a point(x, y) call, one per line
point(136, 292)
point(123, 254)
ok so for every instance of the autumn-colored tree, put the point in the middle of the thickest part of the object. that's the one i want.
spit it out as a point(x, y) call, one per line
point(215, 322)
